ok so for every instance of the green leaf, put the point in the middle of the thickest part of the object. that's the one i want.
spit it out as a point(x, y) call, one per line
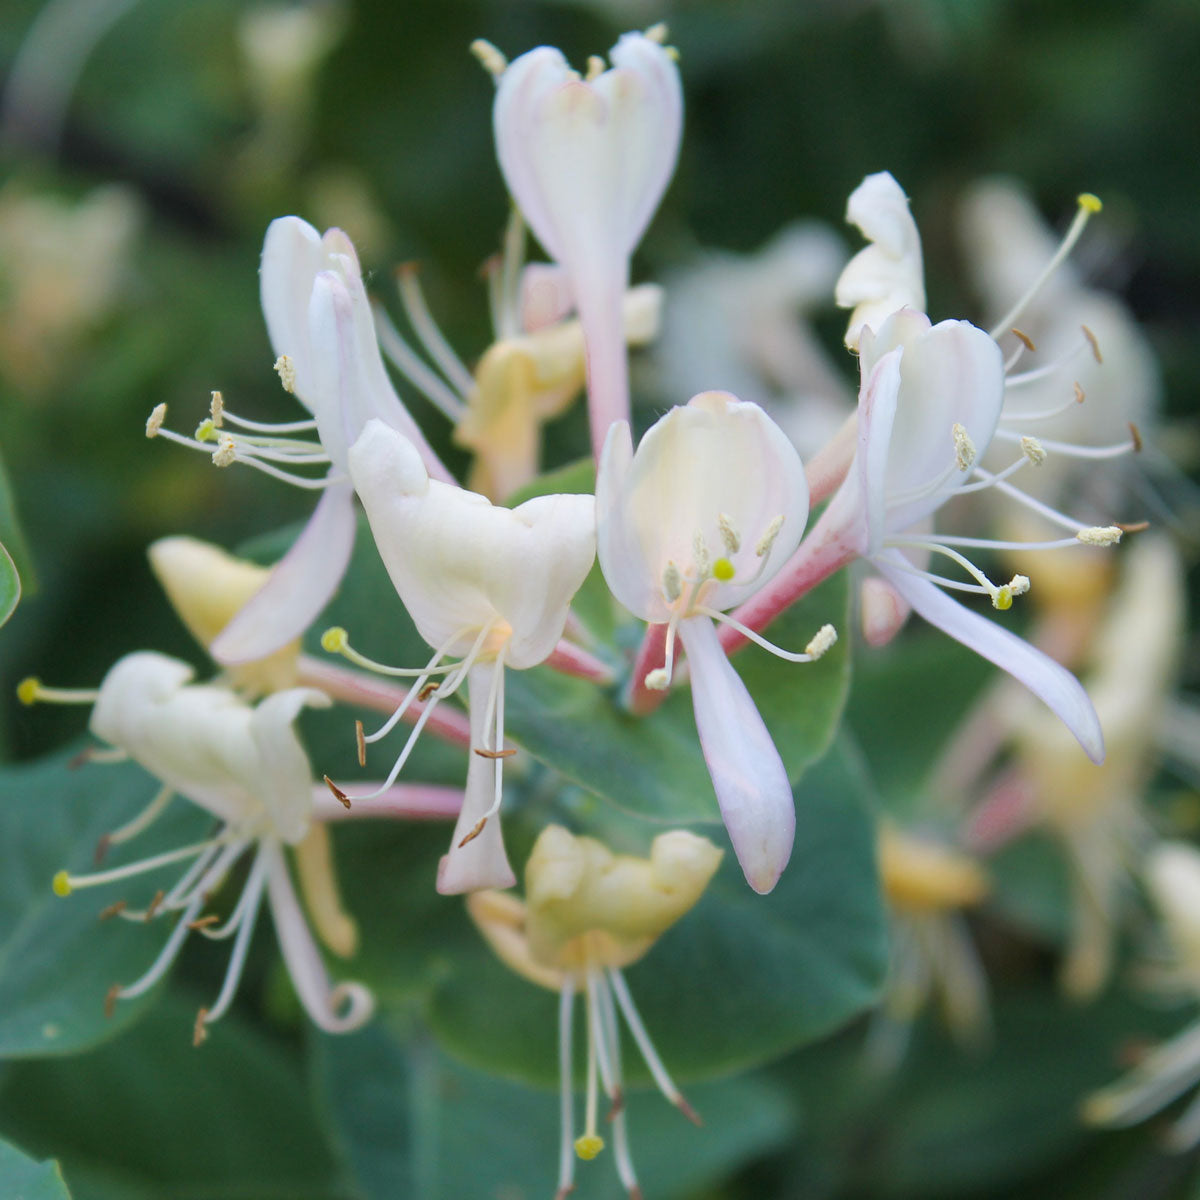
point(12, 537)
point(25, 1179)
point(232, 1118)
point(802, 960)
point(56, 961)
point(414, 1123)
point(10, 585)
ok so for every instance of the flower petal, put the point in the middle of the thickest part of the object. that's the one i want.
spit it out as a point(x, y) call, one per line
point(284, 771)
point(748, 775)
point(300, 585)
point(1046, 679)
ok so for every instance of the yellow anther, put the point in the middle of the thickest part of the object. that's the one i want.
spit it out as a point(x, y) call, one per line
point(287, 372)
point(155, 420)
point(1100, 535)
point(763, 546)
point(964, 448)
point(588, 1146)
point(1024, 339)
point(334, 639)
point(62, 884)
point(724, 570)
point(28, 690)
point(206, 431)
point(226, 452)
point(657, 33)
point(729, 535)
point(1093, 342)
point(822, 641)
point(657, 680)
point(1089, 202)
point(1018, 585)
point(595, 68)
point(492, 61)
point(672, 582)
point(216, 409)
point(1033, 450)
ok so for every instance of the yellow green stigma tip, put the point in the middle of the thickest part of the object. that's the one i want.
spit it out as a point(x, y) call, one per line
point(334, 639)
point(1090, 202)
point(27, 690)
point(1003, 599)
point(723, 570)
point(62, 884)
point(206, 431)
point(588, 1146)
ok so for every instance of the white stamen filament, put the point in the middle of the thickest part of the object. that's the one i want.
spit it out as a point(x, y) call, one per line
point(406, 361)
point(623, 1158)
point(247, 909)
point(1052, 515)
point(266, 427)
point(1036, 373)
point(820, 639)
point(142, 821)
point(98, 878)
point(1070, 450)
point(566, 1105)
point(430, 335)
point(509, 323)
point(336, 641)
point(642, 1038)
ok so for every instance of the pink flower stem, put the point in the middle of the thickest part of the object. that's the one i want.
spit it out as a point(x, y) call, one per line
point(403, 801)
point(356, 687)
point(569, 659)
point(603, 324)
point(639, 699)
point(827, 468)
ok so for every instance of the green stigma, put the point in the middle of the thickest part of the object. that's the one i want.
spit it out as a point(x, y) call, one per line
point(723, 570)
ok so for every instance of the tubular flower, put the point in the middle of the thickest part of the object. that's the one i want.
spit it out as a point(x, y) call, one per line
point(587, 913)
point(244, 765)
point(587, 161)
point(320, 323)
point(705, 512)
point(491, 585)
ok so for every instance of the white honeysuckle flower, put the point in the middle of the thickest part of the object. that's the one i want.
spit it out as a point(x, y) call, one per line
point(1172, 876)
point(322, 330)
point(701, 517)
point(490, 585)
point(587, 161)
point(243, 764)
point(587, 913)
point(889, 274)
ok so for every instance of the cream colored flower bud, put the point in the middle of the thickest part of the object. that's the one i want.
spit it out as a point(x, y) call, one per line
point(919, 875)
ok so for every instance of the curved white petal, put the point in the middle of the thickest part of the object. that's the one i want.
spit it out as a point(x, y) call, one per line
point(300, 585)
point(888, 274)
point(1050, 682)
point(142, 678)
point(339, 1009)
point(482, 862)
point(747, 773)
point(632, 577)
point(285, 774)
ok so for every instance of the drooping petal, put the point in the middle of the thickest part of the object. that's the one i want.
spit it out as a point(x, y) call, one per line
point(285, 774)
point(748, 775)
point(482, 862)
point(339, 1009)
point(299, 587)
point(1050, 682)
point(629, 573)
point(887, 275)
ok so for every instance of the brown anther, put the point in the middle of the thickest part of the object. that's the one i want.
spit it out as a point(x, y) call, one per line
point(80, 760)
point(101, 850)
point(360, 741)
point(1135, 527)
point(428, 690)
point(113, 910)
point(474, 832)
point(1024, 339)
point(110, 1001)
point(152, 910)
point(636, 1193)
point(405, 269)
point(200, 1030)
point(338, 794)
point(490, 266)
point(689, 1112)
point(618, 1105)
point(495, 753)
point(1136, 434)
point(1080, 394)
point(204, 922)
point(1095, 345)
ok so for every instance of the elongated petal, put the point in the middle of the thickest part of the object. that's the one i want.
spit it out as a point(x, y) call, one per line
point(1046, 679)
point(339, 1009)
point(482, 862)
point(747, 773)
point(300, 585)
point(628, 571)
point(285, 773)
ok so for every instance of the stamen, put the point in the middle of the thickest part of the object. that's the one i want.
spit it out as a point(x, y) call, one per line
point(659, 679)
point(251, 898)
point(1135, 435)
point(492, 61)
point(1088, 204)
point(763, 546)
point(1095, 345)
point(65, 883)
point(701, 559)
point(32, 691)
point(672, 582)
point(964, 449)
point(153, 907)
point(657, 33)
point(1080, 394)
point(338, 794)
point(406, 361)
point(286, 370)
point(199, 1033)
point(143, 820)
point(1106, 535)
point(513, 259)
point(428, 333)
point(596, 67)
point(566, 1158)
point(590, 1143)
point(1069, 449)
point(1024, 339)
point(493, 716)
point(729, 535)
point(154, 422)
point(336, 640)
point(110, 1001)
point(1033, 450)
point(94, 754)
point(822, 640)
point(216, 409)
point(361, 743)
point(113, 910)
point(226, 453)
point(1017, 586)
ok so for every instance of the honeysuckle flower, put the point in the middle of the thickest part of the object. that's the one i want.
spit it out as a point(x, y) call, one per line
point(587, 161)
point(244, 765)
point(711, 505)
point(489, 584)
point(588, 913)
point(929, 885)
point(889, 274)
point(321, 327)
point(1172, 877)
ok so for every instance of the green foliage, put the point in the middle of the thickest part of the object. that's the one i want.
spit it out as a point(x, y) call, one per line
point(25, 1179)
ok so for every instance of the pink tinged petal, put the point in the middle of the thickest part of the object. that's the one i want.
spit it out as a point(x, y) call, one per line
point(747, 773)
point(545, 296)
point(882, 611)
point(402, 801)
point(631, 576)
point(1050, 682)
point(482, 862)
point(285, 776)
point(339, 1009)
point(300, 586)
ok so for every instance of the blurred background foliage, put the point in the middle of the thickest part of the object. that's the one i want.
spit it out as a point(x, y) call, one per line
point(129, 237)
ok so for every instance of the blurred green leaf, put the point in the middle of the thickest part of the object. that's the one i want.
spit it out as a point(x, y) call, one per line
point(25, 1179)
point(10, 585)
point(12, 540)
